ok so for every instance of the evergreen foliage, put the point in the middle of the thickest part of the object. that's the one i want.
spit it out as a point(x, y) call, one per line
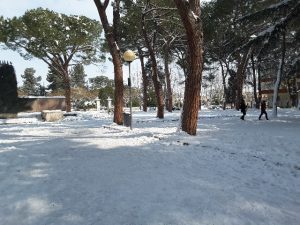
point(8, 87)
point(101, 82)
point(78, 76)
point(104, 86)
point(31, 84)
point(56, 82)
point(57, 39)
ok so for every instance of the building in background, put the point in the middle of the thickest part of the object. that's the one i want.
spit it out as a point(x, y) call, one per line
point(288, 93)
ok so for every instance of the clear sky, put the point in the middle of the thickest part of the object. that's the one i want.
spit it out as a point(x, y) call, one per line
point(10, 8)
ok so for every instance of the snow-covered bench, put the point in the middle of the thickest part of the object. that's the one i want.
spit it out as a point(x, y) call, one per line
point(52, 115)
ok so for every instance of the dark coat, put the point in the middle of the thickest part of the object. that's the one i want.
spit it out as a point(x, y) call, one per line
point(263, 106)
point(243, 106)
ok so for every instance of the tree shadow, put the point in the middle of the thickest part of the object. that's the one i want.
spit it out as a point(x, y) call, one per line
point(78, 178)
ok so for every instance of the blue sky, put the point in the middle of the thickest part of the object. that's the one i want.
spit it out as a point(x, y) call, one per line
point(10, 8)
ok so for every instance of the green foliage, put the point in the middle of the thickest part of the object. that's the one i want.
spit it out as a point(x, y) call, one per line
point(151, 98)
point(8, 87)
point(230, 94)
point(31, 84)
point(55, 38)
point(267, 25)
point(101, 82)
point(78, 76)
point(104, 93)
point(56, 82)
point(41, 32)
point(105, 88)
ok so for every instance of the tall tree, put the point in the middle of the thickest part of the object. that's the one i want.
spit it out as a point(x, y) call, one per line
point(57, 39)
point(8, 87)
point(132, 38)
point(144, 79)
point(112, 38)
point(30, 82)
point(219, 37)
point(189, 12)
point(150, 43)
point(271, 33)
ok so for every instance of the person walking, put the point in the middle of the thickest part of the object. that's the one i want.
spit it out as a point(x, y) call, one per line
point(243, 108)
point(263, 107)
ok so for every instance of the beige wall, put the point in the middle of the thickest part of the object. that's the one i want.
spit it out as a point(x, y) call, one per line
point(47, 103)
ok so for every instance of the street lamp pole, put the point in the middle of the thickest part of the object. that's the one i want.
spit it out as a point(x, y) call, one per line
point(130, 96)
point(129, 56)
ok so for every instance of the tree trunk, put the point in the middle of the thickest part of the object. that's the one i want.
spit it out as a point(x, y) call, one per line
point(169, 99)
point(279, 76)
point(189, 12)
point(224, 84)
point(155, 78)
point(67, 87)
point(240, 75)
point(259, 80)
point(254, 82)
point(111, 35)
point(145, 80)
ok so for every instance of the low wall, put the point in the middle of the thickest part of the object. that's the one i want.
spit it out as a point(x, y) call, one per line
point(38, 104)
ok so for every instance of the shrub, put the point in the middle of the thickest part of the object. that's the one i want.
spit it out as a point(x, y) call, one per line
point(8, 88)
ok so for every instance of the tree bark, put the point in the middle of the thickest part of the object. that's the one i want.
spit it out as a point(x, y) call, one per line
point(67, 90)
point(189, 12)
point(111, 35)
point(240, 75)
point(259, 80)
point(145, 80)
point(155, 78)
point(169, 99)
point(279, 76)
point(254, 82)
point(224, 84)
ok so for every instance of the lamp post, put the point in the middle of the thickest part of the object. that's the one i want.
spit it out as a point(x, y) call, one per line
point(129, 56)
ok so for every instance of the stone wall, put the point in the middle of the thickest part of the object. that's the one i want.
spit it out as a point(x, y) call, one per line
point(38, 104)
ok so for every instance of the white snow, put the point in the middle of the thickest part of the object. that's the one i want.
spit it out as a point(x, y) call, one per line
point(85, 170)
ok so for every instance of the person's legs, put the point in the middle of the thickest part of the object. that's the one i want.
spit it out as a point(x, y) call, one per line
point(266, 115)
point(243, 116)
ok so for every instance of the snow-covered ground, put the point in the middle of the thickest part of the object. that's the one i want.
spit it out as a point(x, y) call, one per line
point(85, 170)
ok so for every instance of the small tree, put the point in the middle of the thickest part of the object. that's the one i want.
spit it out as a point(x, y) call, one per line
point(100, 82)
point(78, 76)
point(30, 82)
point(56, 82)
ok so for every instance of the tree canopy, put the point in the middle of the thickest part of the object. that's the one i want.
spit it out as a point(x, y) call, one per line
point(57, 39)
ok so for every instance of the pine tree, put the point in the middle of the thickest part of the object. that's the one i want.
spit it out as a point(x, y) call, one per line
point(273, 28)
point(189, 12)
point(57, 39)
point(78, 76)
point(30, 82)
point(56, 82)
